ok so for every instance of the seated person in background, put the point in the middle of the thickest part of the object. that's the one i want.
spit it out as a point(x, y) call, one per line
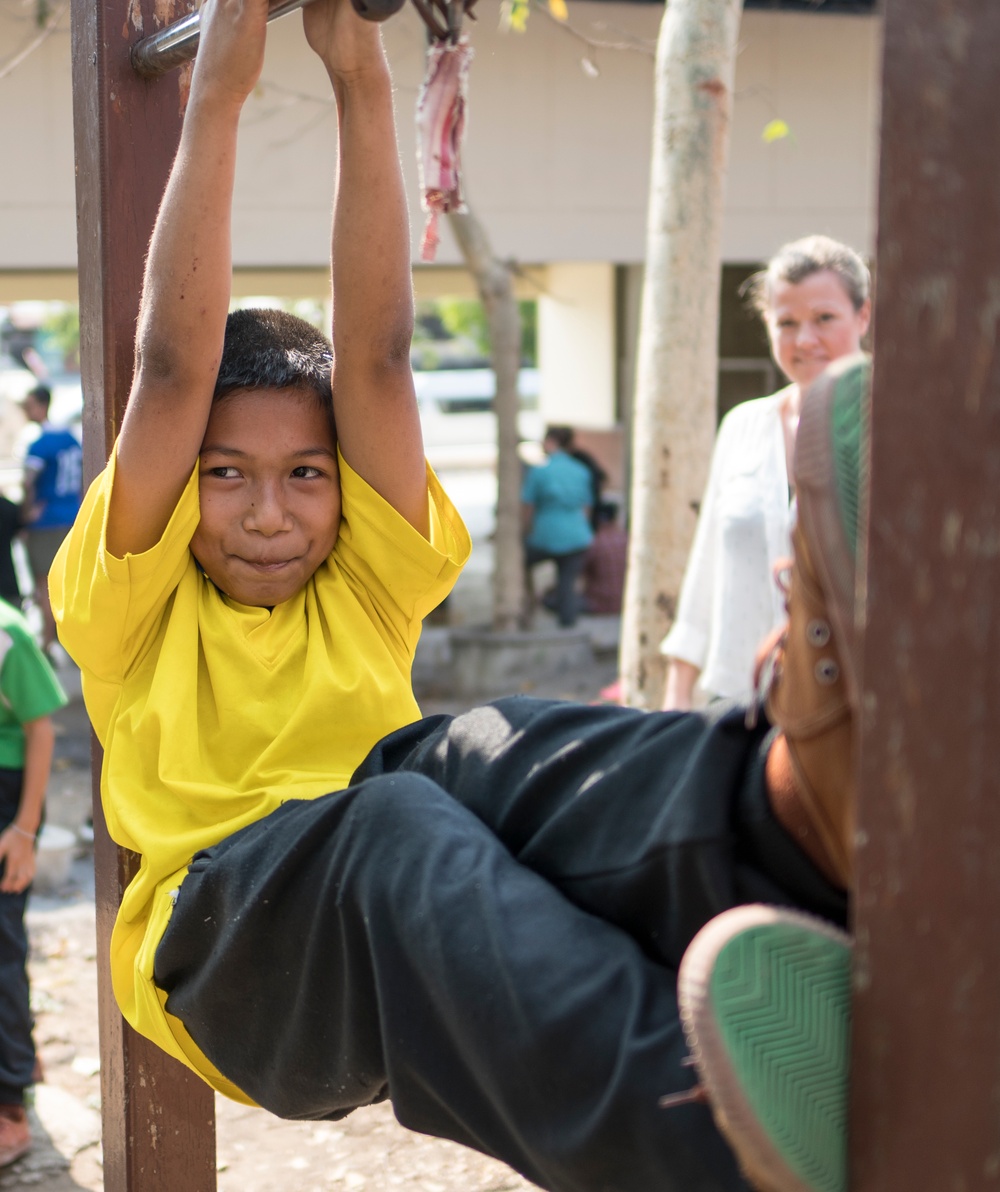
point(598, 476)
point(604, 563)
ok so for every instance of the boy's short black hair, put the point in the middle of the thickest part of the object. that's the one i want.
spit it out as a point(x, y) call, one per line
point(271, 349)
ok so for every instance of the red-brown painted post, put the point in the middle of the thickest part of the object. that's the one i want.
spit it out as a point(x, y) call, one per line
point(159, 1118)
point(926, 1046)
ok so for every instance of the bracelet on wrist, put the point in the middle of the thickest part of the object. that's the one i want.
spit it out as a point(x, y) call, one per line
point(21, 832)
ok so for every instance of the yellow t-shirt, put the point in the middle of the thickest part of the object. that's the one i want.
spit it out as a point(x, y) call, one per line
point(213, 713)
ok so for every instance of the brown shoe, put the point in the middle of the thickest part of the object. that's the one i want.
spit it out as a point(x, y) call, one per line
point(15, 1134)
point(810, 767)
point(812, 691)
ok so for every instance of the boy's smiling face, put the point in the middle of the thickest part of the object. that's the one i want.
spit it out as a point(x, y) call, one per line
point(270, 494)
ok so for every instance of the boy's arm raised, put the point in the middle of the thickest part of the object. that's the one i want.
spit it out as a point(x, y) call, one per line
point(378, 426)
point(187, 283)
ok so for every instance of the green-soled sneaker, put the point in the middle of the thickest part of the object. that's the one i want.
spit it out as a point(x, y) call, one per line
point(765, 1002)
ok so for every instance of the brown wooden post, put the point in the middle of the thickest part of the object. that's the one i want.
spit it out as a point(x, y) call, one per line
point(926, 1047)
point(159, 1118)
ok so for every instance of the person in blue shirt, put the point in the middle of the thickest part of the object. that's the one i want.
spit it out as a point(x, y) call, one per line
point(53, 481)
point(556, 501)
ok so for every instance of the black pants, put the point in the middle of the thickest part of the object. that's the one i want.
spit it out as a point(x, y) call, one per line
point(17, 1049)
point(485, 927)
point(566, 602)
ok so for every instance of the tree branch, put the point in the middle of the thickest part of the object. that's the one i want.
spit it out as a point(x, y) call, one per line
point(49, 28)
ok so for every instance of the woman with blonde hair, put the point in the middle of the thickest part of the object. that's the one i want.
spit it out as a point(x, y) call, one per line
point(814, 299)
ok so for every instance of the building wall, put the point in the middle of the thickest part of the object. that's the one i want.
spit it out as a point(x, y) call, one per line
point(37, 203)
point(576, 344)
point(821, 75)
point(556, 160)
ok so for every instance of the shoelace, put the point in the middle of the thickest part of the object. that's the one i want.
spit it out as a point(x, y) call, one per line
point(765, 672)
point(767, 665)
point(695, 1095)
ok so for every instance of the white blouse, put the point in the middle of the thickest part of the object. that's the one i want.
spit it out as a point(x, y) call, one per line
point(729, 601)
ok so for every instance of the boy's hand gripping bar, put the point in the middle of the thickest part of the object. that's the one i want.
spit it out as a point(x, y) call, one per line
point(178, 43)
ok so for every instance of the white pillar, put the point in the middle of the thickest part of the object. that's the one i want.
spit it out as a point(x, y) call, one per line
point(576, 345)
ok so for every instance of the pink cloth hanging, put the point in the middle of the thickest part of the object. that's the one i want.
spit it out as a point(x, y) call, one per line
point(440, 126)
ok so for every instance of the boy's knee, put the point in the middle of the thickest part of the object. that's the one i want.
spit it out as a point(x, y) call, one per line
point(390, 802)
point(407, 826)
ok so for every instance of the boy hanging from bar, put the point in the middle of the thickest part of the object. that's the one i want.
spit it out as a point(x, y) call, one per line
point(482, 919)
point(245, 585)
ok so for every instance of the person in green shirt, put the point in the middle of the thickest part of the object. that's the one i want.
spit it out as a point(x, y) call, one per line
point(29, 694)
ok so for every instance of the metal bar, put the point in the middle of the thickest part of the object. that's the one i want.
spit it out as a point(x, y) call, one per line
point(926, 1041)
point(177, 43)
point(158, 1117)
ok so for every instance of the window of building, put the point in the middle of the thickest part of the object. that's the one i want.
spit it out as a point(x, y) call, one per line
point(746, 369)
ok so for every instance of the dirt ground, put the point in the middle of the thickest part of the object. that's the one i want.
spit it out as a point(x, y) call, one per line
point(256, 1152)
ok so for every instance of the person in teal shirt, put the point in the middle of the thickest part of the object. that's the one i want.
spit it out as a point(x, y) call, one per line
point(29, 694)
point(556, 501)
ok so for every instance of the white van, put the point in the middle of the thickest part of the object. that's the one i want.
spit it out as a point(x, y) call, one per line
point(456, 413)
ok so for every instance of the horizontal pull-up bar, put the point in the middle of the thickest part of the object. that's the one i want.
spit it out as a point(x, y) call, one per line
point(176, 44)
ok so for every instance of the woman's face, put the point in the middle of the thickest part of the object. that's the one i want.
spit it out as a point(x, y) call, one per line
point(811, 323)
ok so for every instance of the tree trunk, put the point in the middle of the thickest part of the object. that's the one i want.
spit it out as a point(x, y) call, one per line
point(496, 292)
point(674, 417)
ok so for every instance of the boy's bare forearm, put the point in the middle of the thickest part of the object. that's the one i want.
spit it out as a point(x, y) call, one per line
point(377, 421)
point(187, 283)
point(371, 241)
point(189, 264)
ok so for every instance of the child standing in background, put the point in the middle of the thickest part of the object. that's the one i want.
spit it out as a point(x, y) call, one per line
point(29, 694)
